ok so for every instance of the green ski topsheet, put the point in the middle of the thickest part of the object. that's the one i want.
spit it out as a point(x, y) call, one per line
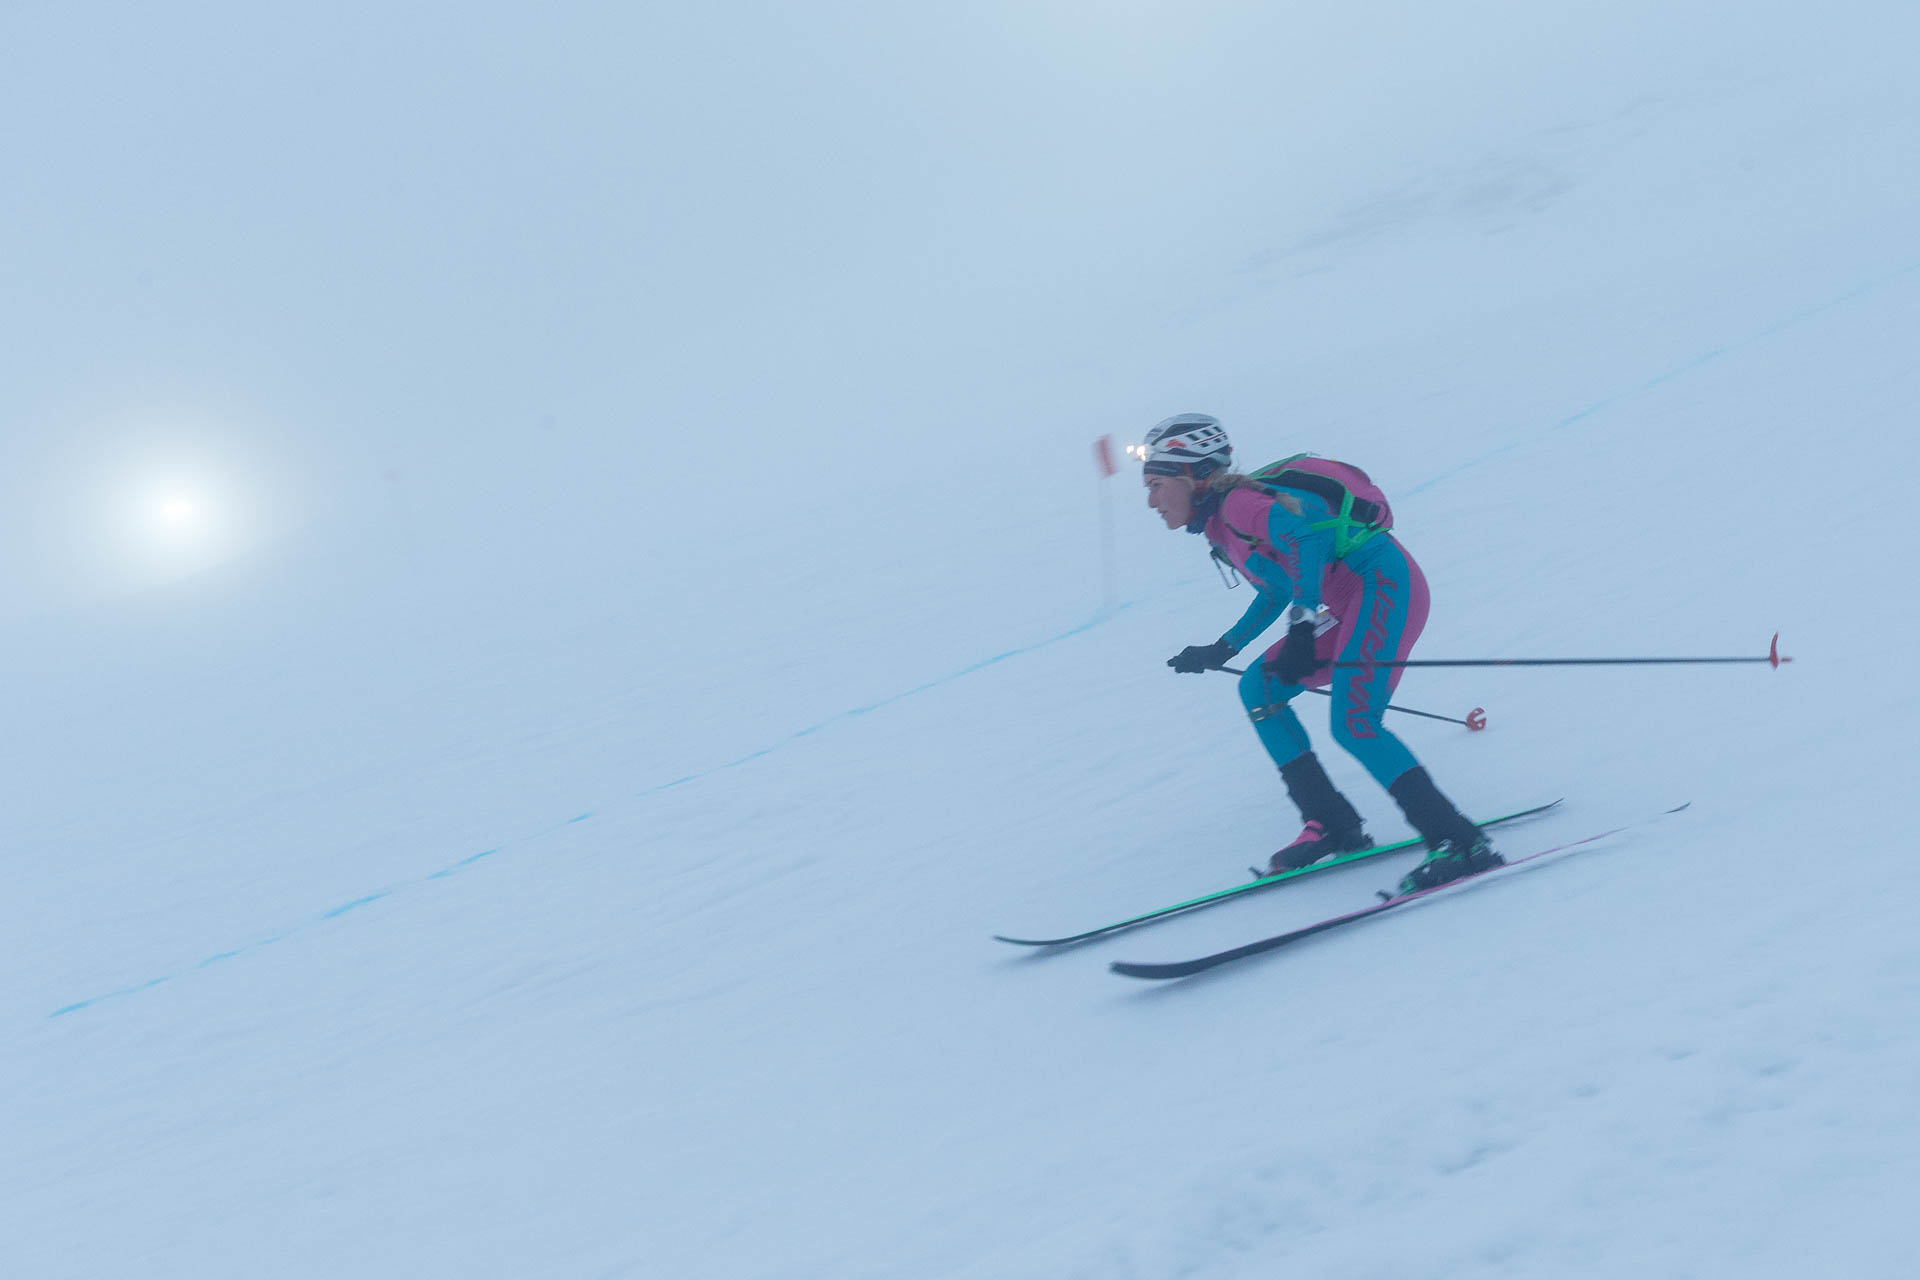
point(1264, 882)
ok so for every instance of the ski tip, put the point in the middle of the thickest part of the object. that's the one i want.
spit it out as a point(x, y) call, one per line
point(1476, 720)
point(1023, 942)
point(1773, 652)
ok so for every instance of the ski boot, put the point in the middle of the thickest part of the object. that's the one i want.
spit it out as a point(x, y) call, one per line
point(1453, 860)
point(1314, 843)
point(1332, 825)
point(1457, 847)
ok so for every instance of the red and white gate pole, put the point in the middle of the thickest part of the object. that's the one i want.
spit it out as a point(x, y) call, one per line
point(1109, 558)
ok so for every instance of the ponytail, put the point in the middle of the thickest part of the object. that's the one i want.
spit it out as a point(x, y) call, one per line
point(1225, 482)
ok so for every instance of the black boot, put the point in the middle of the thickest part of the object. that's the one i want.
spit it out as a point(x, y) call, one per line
point(1332, 825)
point(1455, 846)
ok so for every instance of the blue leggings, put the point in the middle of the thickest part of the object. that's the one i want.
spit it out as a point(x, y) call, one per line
point(1382, 605)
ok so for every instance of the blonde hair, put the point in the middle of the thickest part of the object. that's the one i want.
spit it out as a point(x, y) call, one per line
point(1225, 482)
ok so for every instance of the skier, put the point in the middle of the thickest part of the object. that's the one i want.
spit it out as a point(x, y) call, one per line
point(1349, 591)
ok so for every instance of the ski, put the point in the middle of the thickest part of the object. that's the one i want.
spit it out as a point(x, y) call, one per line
point(1263, 882)
point(1184, 968)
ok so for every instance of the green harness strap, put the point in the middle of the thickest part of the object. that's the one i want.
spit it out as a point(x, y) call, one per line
point(1345, 540)
point(1343, 524)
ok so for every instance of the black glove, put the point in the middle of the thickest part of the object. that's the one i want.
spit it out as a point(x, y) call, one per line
point(1196, 658)
point(1295, 661)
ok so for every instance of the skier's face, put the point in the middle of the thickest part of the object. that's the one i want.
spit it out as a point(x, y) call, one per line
point(1172, 497)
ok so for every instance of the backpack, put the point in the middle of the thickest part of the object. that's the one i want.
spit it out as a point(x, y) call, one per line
point(1360, 509)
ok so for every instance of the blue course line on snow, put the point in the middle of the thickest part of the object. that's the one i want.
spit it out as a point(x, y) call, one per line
point(465, 862)
point(355, 904)
point(837, 718)
point(1692, 365)
point(1597, 407)
point(462, 864)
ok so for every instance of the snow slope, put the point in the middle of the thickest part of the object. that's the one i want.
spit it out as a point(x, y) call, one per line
point(429, 898)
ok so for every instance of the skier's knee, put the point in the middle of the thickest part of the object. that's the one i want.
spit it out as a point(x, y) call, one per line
point(1265, 698)
point(1356, 730)
point(1253, 687)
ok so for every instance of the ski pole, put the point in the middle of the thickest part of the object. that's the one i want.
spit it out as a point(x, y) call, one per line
point(1772, 658)
point(1476, 719)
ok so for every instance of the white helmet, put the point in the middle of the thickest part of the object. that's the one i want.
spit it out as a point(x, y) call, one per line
point(1187, 444)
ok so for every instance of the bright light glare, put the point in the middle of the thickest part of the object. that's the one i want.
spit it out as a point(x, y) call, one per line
point(178, 512)
point(178, 520)
point(155, 496)
point(180, 523)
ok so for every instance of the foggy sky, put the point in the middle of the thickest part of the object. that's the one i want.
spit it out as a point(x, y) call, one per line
point(500, 277)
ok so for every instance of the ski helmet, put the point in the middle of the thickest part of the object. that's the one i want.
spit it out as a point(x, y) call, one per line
point(1193, 445)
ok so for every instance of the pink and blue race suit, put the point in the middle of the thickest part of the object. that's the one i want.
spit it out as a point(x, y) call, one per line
point(1377, 593)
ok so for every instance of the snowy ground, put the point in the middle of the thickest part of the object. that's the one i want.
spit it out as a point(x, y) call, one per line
point(548, 910)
